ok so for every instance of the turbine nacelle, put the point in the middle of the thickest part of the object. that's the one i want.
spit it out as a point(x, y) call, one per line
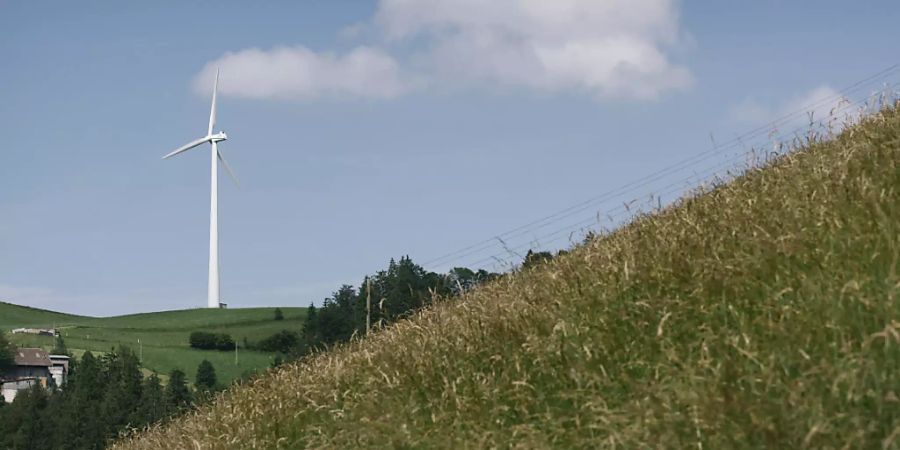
point(218, 137)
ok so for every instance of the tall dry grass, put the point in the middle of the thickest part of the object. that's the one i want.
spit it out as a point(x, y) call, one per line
point(762, 313)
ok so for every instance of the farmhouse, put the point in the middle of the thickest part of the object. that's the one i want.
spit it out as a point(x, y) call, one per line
point(38, 331)
point(34, 366)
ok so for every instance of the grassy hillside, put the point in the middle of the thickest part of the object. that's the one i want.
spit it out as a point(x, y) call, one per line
point(761, 314)
point(15, 316)
point(162, 337)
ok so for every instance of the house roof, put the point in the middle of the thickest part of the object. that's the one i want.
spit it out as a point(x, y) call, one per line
point(32, 357)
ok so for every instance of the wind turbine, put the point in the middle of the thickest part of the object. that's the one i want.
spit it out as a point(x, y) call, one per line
point(213, 300)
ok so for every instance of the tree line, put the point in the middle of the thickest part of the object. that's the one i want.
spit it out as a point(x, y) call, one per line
point(394, 293)
point(104, 396)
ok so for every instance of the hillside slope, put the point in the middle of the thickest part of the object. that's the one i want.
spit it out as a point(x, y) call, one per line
point(15, 316)
point(761, 314)
point(160, 337)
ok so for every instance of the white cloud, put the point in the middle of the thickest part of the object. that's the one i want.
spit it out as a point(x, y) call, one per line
point(607, 48)
point(819, 103)
point(300, 73)
point(823, 104)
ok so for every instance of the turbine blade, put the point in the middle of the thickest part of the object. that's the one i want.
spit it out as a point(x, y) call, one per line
point(212, 111)
point(187, 147)
point(228, 168)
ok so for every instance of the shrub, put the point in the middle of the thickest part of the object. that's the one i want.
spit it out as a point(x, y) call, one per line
point(205, 340)
point(224, 342)
point(283, 341)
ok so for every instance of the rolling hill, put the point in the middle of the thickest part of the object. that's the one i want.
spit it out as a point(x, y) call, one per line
point(161, 337)
point(761, 313)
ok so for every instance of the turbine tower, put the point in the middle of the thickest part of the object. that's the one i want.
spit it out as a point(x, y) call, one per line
point(212, 300)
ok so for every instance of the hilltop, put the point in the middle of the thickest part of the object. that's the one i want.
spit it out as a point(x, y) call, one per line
point(15, 316)
point(161, 337)
point(761, 313)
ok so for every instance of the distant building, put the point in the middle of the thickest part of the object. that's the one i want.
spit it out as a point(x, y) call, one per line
point(34, 366)
point(59, 369)
point(39, 331)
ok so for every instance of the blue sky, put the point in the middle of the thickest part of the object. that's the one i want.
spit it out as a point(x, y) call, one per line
point(363, 131)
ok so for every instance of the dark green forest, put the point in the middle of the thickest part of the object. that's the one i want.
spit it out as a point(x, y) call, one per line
point(104, 396)
point(394, 293)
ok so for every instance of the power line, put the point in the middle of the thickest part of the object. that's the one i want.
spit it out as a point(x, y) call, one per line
point(678, 185)
point(613, 213)
point(646, 183)
point(738, 140)
point(616, 213)
point(710, 171)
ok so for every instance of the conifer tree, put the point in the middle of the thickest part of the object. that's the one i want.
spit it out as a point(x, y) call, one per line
point(310, 326)
point(178, 394)
point(7, 355)
point(60, 347)
point(535, 258)
point(206, 376)
point(28, 424)
point(153, 407)
point(84, 392)
point(123, 389)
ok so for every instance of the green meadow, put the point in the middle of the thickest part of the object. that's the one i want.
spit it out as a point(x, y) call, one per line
point(160, 338)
